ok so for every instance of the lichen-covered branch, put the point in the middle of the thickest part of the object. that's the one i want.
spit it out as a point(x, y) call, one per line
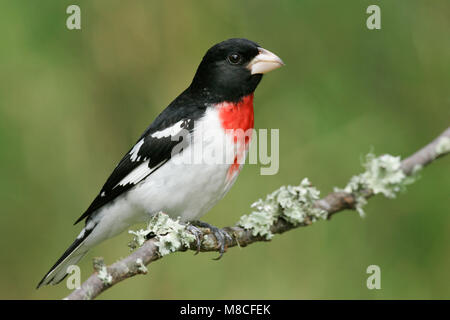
point(286, 208)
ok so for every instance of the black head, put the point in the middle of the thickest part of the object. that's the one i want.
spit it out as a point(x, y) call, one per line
point(232, 69)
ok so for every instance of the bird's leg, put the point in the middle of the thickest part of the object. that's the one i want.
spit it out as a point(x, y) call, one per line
point(197, 233)
point(223, 238)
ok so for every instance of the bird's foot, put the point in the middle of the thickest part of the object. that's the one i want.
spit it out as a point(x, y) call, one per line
point(223, 237)
point(197, 234)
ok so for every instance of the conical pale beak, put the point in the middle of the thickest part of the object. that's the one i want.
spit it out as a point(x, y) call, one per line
point(264, 62)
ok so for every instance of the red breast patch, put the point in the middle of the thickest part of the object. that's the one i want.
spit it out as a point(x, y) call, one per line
point(239, 118)
point(237, 115)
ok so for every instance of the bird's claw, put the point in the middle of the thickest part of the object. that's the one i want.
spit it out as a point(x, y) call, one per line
point(197, 233)
point(223, 237)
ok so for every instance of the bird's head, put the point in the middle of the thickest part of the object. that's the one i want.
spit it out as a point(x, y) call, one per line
point(232, 69)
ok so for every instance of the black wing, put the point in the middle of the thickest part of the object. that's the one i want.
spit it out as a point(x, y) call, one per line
point(153, 149)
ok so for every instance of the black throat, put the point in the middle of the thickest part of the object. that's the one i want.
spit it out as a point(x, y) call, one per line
point(211, 88)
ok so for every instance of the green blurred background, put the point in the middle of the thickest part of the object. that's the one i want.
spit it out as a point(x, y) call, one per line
point(73, 102)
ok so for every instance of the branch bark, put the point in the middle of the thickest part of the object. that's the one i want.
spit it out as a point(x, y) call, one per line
point(332, 203)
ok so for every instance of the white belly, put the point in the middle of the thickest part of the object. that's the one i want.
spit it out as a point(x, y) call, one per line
point(192, 182)
point(180, 189)
point(191, 192)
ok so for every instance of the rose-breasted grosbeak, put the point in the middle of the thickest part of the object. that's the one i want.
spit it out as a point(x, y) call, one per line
point(154, 175)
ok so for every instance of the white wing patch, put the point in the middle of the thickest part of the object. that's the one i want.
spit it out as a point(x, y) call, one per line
point(134, 152)
point(170, 131)
point(136, 175)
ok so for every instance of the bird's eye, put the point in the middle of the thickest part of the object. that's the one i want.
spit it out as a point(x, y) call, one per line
point(234, 58)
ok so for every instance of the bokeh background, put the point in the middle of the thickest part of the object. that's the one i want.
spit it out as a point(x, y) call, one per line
point(73, 102)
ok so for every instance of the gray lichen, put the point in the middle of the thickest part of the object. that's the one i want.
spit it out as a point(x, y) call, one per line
point(295, 204)
point(171, 234)
point(139, 238)
point(443, 146)
point(104, 275)
point(141, 267)
point(259, 222)
point(383, 175)
point(102, 271)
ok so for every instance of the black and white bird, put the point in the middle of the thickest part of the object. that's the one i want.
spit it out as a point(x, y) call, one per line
point(161, 172)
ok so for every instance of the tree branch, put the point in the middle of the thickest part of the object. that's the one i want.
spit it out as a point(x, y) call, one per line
point(334, 202)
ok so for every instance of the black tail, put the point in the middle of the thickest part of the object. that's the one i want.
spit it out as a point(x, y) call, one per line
point(71, 256)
